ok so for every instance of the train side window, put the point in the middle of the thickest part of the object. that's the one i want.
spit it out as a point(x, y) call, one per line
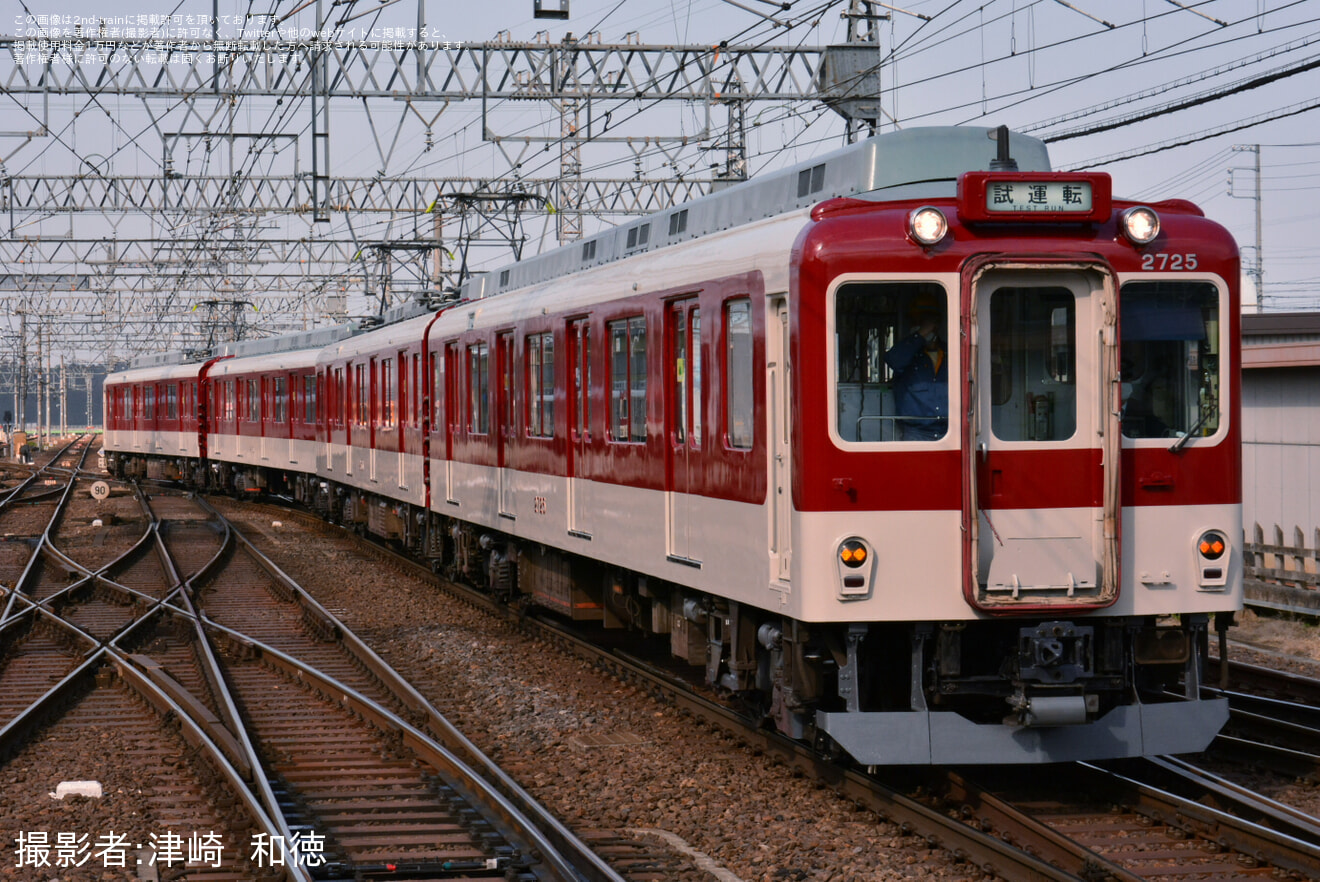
point(280, 399)
point(478, 389)
point(627, 379)
point(253, 401)
point(309, 399)
point(579, 352)
point(416, 375)
point(437, 385)
point(505, 412)
point(1169, 358)
point(1033, 340)
point(402, 378)
point(540, 385)
point(340, 393)
point(172, 401)
point(696, 376)
point(739, 406)
point(891, 361)
point(389, 393)
point(453, 376)
point(362, 384)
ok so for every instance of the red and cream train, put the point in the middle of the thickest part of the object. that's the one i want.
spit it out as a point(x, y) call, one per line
point(688, 426)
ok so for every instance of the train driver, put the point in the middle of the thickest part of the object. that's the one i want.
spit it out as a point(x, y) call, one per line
point(921, 374)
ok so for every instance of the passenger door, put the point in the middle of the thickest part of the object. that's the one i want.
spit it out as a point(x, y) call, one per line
point(683, 427)
point(1043, 500)
point(402, 414)
point(454, 411)
point(780, 427)
point(579, 427)
point(504, 417)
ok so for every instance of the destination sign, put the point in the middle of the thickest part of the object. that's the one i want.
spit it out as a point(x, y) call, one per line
point(1037, 196)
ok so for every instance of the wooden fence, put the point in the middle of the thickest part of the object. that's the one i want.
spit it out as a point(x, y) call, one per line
point(1281, 576)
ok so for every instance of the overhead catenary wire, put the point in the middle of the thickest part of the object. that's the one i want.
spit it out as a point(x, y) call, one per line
point(803, 138)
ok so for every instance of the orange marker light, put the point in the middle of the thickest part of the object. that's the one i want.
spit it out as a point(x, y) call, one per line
point(1212, 546)
point(853, 553)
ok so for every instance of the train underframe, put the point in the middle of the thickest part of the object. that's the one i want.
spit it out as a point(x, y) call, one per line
point(1008, 689)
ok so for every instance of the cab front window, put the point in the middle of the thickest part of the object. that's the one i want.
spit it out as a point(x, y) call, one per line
point(1170, 359)
point(891, 361)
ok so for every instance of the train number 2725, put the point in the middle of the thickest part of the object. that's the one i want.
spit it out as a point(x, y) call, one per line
point(1164, 261)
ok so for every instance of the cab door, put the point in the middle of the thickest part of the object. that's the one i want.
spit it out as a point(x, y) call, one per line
point(1042, 464)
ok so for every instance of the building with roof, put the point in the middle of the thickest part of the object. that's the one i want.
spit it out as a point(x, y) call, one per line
point(1281, 454)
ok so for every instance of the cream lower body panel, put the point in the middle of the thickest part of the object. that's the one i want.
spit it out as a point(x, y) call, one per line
point(292, 455)
point(392, 475)
point(916, 571)
point(133, 441)
point(1161, 570)
point(623, 526)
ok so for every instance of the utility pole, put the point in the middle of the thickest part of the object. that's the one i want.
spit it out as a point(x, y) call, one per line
point(41, 386)
point(20, 417)
point(1257, 268)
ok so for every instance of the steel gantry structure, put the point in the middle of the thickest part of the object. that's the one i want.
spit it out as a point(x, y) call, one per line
point(244, 201)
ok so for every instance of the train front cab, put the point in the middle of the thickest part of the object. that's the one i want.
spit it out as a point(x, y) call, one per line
point(1037, 577)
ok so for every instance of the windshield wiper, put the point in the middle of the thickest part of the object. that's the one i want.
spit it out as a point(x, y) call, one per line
point(1200, 421)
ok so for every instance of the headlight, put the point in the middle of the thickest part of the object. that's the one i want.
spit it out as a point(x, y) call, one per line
point(927, 225)
point(1140, 224)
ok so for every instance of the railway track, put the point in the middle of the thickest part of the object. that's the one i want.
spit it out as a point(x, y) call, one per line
point(313, 757)
point(1274, 721)
point(28, 508)
point(1137, 820)
point(1127, 821)
point(304, 737)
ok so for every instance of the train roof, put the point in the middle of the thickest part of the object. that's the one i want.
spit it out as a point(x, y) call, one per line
point(263, 362)
point(910, 163)
point(167, 366)
point(318, 338)
point(403, 331)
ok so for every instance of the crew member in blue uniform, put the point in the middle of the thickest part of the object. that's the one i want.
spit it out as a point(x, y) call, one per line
point(921, 375)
